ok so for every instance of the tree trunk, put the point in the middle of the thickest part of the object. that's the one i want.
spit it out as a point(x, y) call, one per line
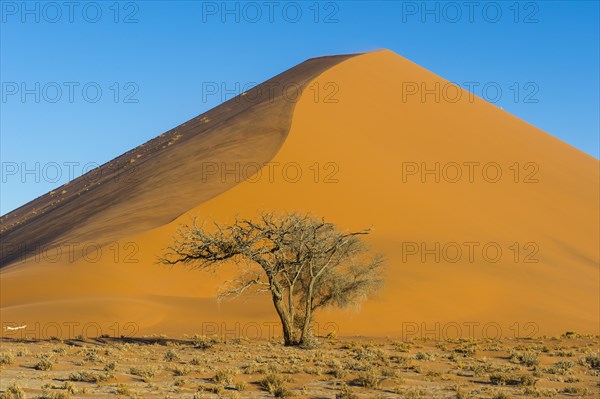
point(292, 312)
point(308, 315)
point(288, 331)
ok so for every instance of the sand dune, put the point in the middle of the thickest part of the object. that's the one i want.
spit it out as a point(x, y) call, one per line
point(356, 149)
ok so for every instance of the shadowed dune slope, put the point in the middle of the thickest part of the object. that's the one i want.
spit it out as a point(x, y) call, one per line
point(165, 177)
point(489, 225)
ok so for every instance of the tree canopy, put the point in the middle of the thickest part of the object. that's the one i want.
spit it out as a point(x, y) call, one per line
point(303, 262)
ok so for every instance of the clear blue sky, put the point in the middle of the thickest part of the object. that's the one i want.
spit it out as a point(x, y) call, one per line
point(159, 54)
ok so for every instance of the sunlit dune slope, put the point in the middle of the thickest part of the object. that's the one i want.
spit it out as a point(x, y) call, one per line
point(489, 225)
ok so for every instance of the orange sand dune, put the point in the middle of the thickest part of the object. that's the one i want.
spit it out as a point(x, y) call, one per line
point(507, 247)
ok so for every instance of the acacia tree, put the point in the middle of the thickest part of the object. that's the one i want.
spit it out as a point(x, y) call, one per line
point(303, 262)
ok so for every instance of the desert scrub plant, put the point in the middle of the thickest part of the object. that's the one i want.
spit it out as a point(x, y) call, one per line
point(358, 365)
point(92, 355)
point(512, 379)
point(466, 350)
point(500, 395)
point(48, 394)
point(224, 376)
point(204, 342)
point(313, 370)
point(562, 353)
point(67, 385)
point(338, 372)
point(145, 372)
point(6, 358)
point(570, 335)
point(527, 358)
point(240, 386)
point(110, 366)
point(561, 368)
point(462, 394)
point(402, 346)
point(171, 356)
point(123, 390)
point(478, 369)
point(44, 363)
point(424, 356)
point(196, 361)
point(179, 371)
point(60, 350)
point(532, 392)
point(575, 391)
point(367, 353)
point(22, 352)
point(591, 360)
point(90, 377)
point(275, 384)
point(217, 389)
point(368, 379)
point(345, 393)
point(432, 375)
point(14, 391)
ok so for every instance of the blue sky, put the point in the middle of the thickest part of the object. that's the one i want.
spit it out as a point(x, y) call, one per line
point(83, 81)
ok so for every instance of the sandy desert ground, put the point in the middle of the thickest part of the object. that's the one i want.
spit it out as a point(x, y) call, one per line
point(566, 366)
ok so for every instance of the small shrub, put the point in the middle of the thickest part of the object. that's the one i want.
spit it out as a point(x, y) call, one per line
point(204, 342)
point(563, 367)
point(179, 382)
point(92, 355)
point(512, 379)
point(44, 364)
point(47, 394)
point(528, 358)
point(224, 377)
point(146, 372)
point(423, 356)
point(531, 392)
point(69, 387)
point(171, 356)
point(181, 370)
point(338, 372)
point(575, 390)
point(345, 393)
point(14, 391)
point(240, 386)
point(61, 350)
point(122, 389)
point(217, 389)
point(110, 366)
point(591, 360)
point(368, 380)
point(196, 361)
point(273, 383)
point(282, 392)
point(87, 376)
point(466, 350)
point(22, 352)
point(6, 358)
